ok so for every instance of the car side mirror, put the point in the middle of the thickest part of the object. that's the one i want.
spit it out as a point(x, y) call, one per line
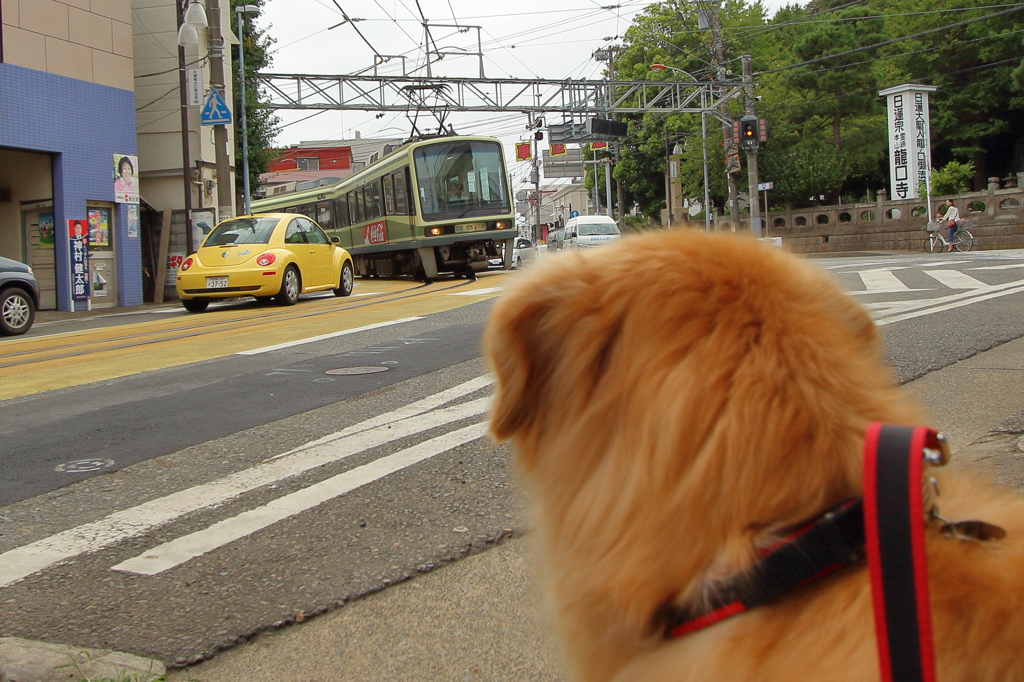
point(335, 239)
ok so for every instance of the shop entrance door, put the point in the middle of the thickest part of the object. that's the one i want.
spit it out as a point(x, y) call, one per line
point(102, 265)
point(37, 219)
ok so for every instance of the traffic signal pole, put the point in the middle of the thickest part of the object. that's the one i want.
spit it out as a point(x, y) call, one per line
point(752, 182)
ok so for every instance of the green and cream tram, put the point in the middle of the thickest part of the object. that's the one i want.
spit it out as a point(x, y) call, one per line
point(440, 205)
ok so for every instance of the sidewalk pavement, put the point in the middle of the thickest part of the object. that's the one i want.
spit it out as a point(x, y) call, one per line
point(46, 316)
point(481, 618)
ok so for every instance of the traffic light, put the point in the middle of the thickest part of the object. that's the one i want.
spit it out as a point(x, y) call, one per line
point(538, 136)
point(750, 136)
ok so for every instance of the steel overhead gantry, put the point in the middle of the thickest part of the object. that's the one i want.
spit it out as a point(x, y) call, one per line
point(534, 96)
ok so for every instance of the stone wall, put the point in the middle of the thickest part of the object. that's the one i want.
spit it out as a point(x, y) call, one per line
point(884, 225)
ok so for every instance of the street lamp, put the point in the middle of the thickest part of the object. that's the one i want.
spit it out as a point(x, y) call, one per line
point(239, 11)
point(704, 140)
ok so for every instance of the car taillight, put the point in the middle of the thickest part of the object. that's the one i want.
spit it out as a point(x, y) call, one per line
point(265, 259)
point(186, 265)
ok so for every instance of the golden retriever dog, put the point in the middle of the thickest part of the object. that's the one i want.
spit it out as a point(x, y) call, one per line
point(675, 401)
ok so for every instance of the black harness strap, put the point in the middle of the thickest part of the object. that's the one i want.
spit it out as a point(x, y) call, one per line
point(809, 553)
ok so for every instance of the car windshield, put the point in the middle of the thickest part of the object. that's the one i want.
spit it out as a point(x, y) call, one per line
point(242, 231)
point(457, 179)
point(587, 229)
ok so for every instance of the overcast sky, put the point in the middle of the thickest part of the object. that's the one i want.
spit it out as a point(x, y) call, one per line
point(524, 39)
point(551, 39)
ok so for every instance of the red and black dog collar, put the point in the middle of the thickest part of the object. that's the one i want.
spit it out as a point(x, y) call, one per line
point(894, 457)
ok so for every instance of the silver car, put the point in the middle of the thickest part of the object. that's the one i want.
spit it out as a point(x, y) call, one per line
point(523, 251)
point(19, 297)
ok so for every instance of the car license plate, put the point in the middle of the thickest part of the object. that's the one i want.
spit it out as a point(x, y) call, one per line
point(216, 282)
point(470, 228)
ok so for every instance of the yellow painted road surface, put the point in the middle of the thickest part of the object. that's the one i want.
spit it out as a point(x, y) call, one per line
point(41, 363)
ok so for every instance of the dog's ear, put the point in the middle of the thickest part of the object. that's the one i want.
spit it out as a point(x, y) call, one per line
point(517, 353)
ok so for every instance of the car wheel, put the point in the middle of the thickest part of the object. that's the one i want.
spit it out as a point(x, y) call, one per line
point(17, 312)
point(347, 280)
point(196, 305)
point(290, 287)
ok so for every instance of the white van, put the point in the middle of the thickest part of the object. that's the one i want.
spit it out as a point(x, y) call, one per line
point(589, 230)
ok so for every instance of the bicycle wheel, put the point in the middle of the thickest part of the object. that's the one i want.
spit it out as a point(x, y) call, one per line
point(934, 243)
point(964, 240)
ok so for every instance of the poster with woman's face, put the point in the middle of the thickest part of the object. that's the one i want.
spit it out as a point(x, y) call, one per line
point(126, 179)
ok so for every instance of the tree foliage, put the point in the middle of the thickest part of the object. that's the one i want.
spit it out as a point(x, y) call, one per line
point(951, 178)
point(261, 124)
point(818, 69)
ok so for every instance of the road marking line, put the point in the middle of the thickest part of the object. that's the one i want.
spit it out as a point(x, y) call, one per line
point(1011, 266)
point(879, 281)
point(410, 410)
point(311, 339)
point(23, 561)
point(954, 279)
point(956, 301)
point(180, 550)
point(477, 292)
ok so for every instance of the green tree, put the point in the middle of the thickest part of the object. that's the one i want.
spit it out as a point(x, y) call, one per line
point(951, 178)
point(978, 108)
point(261, 124)
point(804, 171)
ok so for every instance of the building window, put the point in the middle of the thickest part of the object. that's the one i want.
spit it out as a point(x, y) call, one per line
point(308, 163)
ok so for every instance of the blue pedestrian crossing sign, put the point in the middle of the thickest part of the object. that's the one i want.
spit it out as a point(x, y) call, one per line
point(215, 111)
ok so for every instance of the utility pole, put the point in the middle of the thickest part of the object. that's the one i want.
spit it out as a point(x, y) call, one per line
point(186, 155)
point(225, 195)
point(748, 110)
point(608, 189)
point(535, 177)
point(731, 152)
point(620, 195)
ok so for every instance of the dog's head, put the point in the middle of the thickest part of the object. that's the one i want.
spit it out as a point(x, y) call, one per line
point(674, 396)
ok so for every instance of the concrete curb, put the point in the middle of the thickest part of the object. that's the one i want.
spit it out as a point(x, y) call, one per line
point(23, 660)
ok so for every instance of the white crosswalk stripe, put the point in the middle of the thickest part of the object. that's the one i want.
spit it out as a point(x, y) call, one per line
point(18, 563)
point(176, 552)
point(881, 281)
point(954, 279)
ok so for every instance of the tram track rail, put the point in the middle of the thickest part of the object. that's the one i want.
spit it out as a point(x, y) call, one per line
point(85, 347)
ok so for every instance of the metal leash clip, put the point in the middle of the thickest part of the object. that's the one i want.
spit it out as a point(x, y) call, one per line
point(937, 454)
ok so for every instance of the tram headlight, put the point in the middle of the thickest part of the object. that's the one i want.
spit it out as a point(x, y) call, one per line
point(435, 231)
point(499, 225)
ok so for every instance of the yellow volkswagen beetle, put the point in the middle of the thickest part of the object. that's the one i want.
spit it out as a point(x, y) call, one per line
point(267, 255)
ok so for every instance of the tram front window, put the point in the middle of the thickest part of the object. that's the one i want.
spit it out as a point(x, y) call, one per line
point(460, 179)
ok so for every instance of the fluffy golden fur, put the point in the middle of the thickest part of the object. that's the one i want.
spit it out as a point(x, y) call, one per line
point(676, 399)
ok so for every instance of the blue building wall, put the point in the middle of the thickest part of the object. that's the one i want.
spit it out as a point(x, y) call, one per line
point(82, 125)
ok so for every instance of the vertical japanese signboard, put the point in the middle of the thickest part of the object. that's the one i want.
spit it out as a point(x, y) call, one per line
point(78, 247)
point(910, 154)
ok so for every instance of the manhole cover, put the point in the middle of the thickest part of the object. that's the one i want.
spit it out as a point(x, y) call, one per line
point(83, 466)
point(345, 371)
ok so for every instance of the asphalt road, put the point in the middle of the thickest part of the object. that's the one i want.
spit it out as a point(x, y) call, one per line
point(246, 493)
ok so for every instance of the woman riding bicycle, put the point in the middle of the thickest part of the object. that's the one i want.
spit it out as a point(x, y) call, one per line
point(950, 218)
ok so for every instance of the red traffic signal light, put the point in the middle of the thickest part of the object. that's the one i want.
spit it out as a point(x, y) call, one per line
point(538, 136)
